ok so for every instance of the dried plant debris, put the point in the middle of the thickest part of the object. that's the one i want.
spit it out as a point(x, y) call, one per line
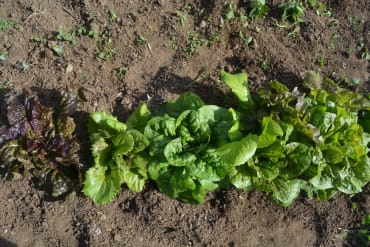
point(40, 141)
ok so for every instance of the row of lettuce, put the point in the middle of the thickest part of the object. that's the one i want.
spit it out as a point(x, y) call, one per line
point(279, 141)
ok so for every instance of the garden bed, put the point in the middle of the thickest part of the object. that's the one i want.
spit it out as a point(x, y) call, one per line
point(122, 53)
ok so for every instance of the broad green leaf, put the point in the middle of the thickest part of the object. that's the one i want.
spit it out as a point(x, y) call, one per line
point(241, 177)
point(139, 118)
point(134, 181)
point(181, 181)
point(239, 152)
point(156, 168)
point(140, 142)
point(102, 183)
point(125, 146)
point(102, 124)
point(238, 83)
point(267, 170)
point(157, 126)
point(195, 196)
point(286, 191)
point(176, 155)
point(187, 101)
point(209, 167)
point(300, 158)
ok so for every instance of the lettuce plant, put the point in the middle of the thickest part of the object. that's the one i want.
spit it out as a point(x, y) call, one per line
point(305, 142)
point(184, 160)
point(116, 150)
point(40, 141)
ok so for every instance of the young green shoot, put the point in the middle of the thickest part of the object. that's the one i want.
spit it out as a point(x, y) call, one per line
point(292, 10)
point(5, 24)
point(258, 9)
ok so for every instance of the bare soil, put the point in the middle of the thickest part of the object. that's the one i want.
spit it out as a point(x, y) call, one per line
point(151, 56)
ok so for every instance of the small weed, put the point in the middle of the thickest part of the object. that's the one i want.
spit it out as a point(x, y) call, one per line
point(354, 205)
point(333, 23)
point(311, 3)
point(140, 40)
point(63, 36)
point(113, 18)
point(5, 24)
point(258, 9)
point(244, 20)
point(85, 31)
point(194, 43)
point(181, 18)
point(320, 61)
point(229, 11)
point(361, 48)
point(23, 67)
point(247, 40)
point(104, 50)
point(85, 77)
point(39, 40)
point(264, 65)
point(292, 10)
point(58, 49)
point(355, 22)
point(333, 41)
point(121, 72)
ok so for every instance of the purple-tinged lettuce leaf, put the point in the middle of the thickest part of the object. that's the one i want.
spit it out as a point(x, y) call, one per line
point(40, 141)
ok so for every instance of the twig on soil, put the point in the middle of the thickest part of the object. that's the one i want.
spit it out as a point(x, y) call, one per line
point(149, 47)
point(70, 13)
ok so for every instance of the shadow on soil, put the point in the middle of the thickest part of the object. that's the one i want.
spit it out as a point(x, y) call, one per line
point(6, 243)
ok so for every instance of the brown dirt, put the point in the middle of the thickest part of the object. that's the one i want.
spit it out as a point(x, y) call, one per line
point(160, 69)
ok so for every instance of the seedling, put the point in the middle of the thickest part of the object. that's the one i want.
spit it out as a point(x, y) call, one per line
point(140, 40)
point(247, 40)
point(244, 20)
point(229, 11)
point(292, 10)
point(112, 17)
point(39, 40)
point(361, 48)
point(264, 65)
point(195, 43)
point(63, 36)
point(355, 22)
point(23, 67)
point(58, 49)
point(181, 18)
point(259, 9)
point(5, 24)
point(85, 31)
point(121, 71)
point(333, 40)
point(320, 61)
point(105, 50)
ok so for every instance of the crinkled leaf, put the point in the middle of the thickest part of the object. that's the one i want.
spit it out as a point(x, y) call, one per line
point(176, 155)
point(284, 192)
point(102, 183)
